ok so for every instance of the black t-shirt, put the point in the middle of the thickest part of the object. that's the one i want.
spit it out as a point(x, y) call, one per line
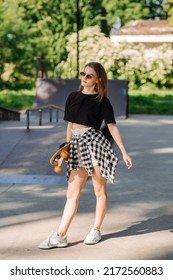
point(88, 109)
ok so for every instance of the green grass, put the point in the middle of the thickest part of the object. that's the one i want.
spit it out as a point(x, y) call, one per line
point(17, 100)
point(153, 102)
point(146, 101)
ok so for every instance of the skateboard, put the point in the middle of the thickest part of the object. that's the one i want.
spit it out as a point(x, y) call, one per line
point(59, 157)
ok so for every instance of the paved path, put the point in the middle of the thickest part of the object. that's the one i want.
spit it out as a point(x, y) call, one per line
point(139, 222)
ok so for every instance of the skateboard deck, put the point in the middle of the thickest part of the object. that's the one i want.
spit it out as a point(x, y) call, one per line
point(59, 157)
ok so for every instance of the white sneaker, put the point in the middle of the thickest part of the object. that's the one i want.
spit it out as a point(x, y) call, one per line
point(93, 237)
point(54, 241)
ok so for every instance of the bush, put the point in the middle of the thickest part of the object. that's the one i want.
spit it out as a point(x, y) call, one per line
point(17, 100)
point(139, 65)
point(94, 46)
point(142, 66)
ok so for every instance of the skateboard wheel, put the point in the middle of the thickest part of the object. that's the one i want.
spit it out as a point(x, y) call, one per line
point(64, 154)
point(58, 169)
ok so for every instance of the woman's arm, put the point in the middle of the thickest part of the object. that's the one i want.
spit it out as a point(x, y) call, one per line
point(69, 133)
point(118, 139)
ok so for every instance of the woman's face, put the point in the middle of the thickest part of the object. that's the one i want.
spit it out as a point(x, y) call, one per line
point(89, 77)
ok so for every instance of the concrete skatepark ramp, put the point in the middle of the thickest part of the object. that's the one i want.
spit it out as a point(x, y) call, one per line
point(55, 91)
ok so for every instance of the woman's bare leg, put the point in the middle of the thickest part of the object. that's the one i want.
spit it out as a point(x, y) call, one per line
point(76, 181)
point(100, 188)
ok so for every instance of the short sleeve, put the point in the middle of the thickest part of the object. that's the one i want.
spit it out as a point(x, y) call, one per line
point(67, 108)
point(107, 111)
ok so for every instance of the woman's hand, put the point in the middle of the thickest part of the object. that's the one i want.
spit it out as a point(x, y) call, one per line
point(128, 160)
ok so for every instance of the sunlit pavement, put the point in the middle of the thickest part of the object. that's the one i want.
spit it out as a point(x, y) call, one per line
point(139, 221)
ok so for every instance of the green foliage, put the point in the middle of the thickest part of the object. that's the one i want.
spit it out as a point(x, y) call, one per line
point(156, 8)
point(142, 66)
point(93, 12)
point(30, 29)
point(143, 101)
point(120, 12)
point(13, 52)
point(94, 46)
point(151, 101)
point(17, 100)
point(136, 63)
point(168, 7)
point(49, 21)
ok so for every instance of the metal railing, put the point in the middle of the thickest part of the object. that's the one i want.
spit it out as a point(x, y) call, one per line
point(40, 109)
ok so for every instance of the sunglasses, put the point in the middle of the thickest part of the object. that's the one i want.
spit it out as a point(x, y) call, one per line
point(87, 76)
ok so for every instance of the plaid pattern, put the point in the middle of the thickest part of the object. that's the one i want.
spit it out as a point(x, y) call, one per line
point(93, 141)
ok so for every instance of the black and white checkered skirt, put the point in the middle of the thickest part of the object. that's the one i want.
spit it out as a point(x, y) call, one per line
point(92, 148)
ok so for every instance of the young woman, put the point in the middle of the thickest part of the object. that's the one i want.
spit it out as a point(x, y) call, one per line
point(91, 154)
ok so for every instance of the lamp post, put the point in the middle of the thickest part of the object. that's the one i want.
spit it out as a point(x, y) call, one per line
point(77, 41)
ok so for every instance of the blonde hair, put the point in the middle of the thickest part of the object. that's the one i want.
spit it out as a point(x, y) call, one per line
point(102, 86)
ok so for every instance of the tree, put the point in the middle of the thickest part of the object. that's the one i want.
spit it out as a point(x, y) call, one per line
point(42, 27)
point(120, 12)
point(94, 46)
point(156, 8)
point(50, 21)
point(38, 29)
point(12, 41)
point(168, 7)
point(93, 12)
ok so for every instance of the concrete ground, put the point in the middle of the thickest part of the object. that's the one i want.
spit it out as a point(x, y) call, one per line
point(139, 221)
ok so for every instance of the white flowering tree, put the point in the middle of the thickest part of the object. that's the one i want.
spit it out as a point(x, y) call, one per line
point(136, 63)
point(143, 66)
point(93, 46)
